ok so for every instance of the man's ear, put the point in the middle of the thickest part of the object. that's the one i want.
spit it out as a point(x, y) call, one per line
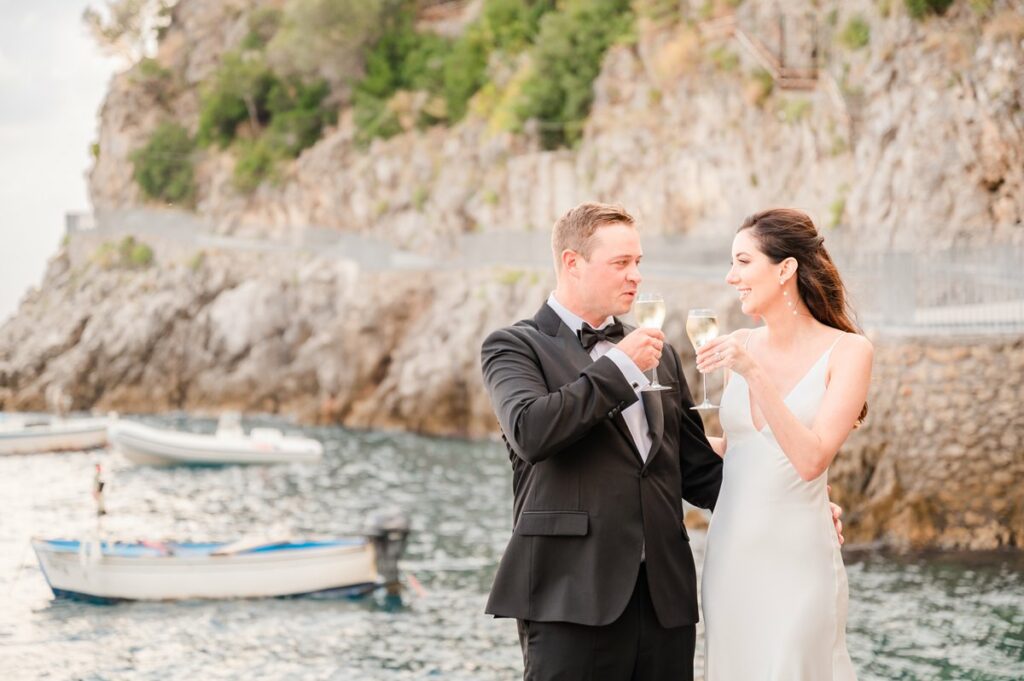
point(570, 261)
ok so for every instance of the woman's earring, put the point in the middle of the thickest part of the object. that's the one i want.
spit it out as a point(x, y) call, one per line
point(789, 302)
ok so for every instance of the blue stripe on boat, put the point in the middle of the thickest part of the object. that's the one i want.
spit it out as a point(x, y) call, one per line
point(191, 548)
point(354, 591)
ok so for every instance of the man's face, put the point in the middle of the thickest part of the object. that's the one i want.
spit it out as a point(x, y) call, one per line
point(607, 282)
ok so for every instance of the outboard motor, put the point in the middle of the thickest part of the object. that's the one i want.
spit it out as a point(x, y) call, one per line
point(389, 530)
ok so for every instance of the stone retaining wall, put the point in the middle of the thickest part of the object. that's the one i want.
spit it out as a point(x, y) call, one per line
point(940, 461)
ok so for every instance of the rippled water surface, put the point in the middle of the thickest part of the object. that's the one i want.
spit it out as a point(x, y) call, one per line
point(934, 618)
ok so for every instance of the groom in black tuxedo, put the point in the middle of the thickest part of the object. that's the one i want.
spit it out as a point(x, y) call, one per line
point(598, 572)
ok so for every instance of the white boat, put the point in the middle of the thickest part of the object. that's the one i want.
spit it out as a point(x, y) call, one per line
point(106, 571)
point(32, 434)
point(229, 445)
point(103, 571)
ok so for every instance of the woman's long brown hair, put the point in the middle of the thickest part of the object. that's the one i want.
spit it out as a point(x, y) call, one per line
point(789, 233)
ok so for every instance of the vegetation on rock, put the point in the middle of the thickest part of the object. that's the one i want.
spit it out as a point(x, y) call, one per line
point(163, 167)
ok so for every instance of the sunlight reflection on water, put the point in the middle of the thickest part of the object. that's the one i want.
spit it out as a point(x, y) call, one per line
point(935, 618)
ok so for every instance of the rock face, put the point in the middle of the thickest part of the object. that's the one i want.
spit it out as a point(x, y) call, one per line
point(941, 461)
point(914, 139)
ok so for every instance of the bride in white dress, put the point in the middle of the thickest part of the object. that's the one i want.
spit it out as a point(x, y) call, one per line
point(774, 587)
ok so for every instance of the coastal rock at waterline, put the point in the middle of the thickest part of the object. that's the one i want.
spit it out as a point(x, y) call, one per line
point(318, 338)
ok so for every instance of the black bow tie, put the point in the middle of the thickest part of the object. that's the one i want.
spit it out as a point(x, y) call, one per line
point(590, 336)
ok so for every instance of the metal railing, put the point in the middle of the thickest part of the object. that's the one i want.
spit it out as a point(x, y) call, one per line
point(972, 290)
point(968, 289)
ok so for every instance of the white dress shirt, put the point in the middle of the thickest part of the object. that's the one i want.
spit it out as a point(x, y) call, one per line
point(634, 414)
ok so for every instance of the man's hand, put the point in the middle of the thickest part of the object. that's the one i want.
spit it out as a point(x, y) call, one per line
point(643, 346)
point(837, 513)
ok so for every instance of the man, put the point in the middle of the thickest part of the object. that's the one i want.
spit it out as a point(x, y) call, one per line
point(598, 572)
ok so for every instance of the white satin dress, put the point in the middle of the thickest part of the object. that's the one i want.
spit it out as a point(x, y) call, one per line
point(774, 587)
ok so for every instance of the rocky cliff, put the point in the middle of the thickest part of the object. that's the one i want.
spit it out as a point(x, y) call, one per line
point(913, 138)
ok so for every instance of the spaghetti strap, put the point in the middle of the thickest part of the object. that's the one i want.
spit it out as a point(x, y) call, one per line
point(836, 341)
point(728, 372)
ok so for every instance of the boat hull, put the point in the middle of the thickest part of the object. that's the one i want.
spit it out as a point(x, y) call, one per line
point(154, 447)
point(71, 436)
point(289, 570)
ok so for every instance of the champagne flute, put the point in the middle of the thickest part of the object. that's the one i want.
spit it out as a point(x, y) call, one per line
point(701, 327)
point(649, 310)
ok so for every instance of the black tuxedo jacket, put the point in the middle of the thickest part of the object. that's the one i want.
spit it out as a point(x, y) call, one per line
point(585, 503)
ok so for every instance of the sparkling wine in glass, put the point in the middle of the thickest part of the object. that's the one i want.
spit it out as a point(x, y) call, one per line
point(649, 311)
point(701, 327)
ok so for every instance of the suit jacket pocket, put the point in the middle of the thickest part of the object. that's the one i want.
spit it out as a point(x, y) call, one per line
point(553, 523)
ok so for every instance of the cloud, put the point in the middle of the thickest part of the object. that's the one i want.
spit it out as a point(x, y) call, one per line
point(9, 72)
point(52, 81)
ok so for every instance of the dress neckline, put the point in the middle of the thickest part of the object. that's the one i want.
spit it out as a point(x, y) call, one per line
point(810, 370)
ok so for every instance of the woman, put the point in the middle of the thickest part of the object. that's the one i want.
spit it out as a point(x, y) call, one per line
point(774, 586)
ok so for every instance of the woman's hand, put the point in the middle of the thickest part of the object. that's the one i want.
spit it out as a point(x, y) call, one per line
point(726, 352)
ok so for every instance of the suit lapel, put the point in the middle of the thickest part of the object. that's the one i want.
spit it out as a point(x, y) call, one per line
point(620, 423)
point(572, 347)
point(548, 321)
point(655, 412)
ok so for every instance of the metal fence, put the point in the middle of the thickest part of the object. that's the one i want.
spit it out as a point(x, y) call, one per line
point(968, 290)
point(960, 290)
point(957, 290)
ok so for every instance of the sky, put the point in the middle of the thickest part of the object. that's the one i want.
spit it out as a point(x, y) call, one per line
point(52, 82)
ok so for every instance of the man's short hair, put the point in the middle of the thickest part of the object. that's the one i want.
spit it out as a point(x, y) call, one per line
point(575, 230)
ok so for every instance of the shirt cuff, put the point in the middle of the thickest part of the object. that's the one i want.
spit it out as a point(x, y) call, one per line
point(629, 369)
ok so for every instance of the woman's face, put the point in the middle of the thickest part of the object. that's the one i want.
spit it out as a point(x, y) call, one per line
point(754, 276)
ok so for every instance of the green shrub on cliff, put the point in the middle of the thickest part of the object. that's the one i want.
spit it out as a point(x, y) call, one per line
point(163, 167)
point(724, 59)
point(919, 8)
point(505, 26)
point(256, 161)
point(283, 115)
point(297, 113)
point(465, 72)
point(567, 58)
point(237, 93)
point(374, 118)
point(297, 116)
point(856, 34)
point(127, 253)
point(402, 59)
point(135, 254)
point(512, 25)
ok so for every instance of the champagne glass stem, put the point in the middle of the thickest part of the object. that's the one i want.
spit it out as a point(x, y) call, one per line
point(704, 378)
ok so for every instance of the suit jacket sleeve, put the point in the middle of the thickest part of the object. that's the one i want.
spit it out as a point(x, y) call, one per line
point(537, 422)
point(700, 465)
